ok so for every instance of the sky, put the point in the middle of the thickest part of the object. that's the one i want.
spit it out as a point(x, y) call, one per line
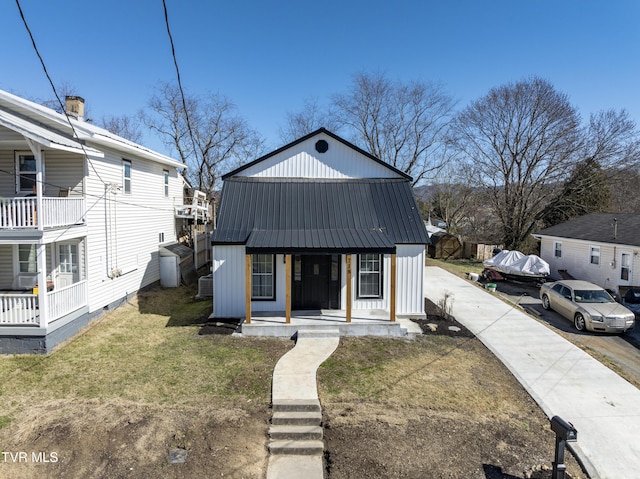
point(269, 57)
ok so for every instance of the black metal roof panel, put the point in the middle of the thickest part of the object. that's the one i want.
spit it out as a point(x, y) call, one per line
point(297, 214)
point(620, 228)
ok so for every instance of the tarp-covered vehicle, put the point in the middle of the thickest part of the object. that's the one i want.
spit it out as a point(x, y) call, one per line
point(516, 265)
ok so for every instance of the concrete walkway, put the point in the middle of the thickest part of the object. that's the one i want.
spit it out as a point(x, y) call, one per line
point(564, 380)
point(296, 446)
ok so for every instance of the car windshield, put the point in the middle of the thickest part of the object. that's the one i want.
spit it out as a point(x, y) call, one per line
point(593, 296)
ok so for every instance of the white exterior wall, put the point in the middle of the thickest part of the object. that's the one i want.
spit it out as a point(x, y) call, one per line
point(576, 260)
point(123, 234)
point(303, 161)
point(281, 286)
point(410, 279)
point(228, 268)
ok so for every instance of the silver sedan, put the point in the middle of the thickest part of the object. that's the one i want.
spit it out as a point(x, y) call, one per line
point(589, 306)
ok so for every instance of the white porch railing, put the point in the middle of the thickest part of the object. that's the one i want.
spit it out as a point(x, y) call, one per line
point(19, 309)
point(22, 212)
point(66, 300)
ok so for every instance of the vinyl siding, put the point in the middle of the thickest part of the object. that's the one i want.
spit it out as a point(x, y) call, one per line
point(124, 229)
point(576, 260)
point(6, 266)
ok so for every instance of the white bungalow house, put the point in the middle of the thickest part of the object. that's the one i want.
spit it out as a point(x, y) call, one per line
point(320, 225)
point(603, 248)
point(83, 215)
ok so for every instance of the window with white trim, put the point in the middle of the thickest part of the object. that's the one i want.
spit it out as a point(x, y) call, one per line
point(370, 276)
point(25, 172)
point(165, 175)
point(126, 177)
point(557, 249)
point(263, 277)
point(594, 255)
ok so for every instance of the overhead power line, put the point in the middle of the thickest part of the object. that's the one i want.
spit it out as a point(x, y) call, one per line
point(62, 107)
point(175, 62)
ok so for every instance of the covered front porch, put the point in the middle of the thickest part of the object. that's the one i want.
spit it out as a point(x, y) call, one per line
point(362, 323)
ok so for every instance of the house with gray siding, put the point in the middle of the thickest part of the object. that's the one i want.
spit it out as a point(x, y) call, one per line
point(603, 248)
point(318, 225)
point(83, 214)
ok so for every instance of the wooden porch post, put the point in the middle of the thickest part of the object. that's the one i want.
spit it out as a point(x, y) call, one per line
point(287, 266)
point(392, 299)
point(247, 279)
point(349, 292)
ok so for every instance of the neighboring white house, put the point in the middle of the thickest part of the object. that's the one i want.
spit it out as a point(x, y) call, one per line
point(318, 224)
point(83, 214)
point(603, 248)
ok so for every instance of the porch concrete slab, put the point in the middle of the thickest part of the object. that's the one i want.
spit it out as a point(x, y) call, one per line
point(563, 380)
point(295, 467)
point(363, 323)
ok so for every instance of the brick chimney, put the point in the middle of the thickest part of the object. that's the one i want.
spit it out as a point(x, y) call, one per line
point(74, 106)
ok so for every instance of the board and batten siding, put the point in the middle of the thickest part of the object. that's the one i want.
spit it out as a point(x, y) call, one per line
point(410, 279)
point(124, 229)
point(409, 282)
point(228, 267)
point(303, 161)
point(576, 260)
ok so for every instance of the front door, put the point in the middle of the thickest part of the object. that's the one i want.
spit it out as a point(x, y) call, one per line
point(67, 272)
point(316, 282)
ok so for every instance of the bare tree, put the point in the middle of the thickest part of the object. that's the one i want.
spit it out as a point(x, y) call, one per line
point(519, 140)
point(125, 126)
point(312, 117)
point(400, 123)
point(214, 138)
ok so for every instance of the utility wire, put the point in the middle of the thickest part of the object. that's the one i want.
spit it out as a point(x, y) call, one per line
point(175, 62)
point(62, 107)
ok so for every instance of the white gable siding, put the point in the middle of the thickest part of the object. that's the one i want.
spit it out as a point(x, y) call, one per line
point(228, 267)
point(124, 229)
point(576, 260)
point(303, 161)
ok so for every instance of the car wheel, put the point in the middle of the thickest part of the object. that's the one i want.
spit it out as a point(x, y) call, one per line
point(579, 322)
point(545, 302)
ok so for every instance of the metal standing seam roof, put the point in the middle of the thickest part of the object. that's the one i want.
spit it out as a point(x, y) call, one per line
point(613, 228)
point(297, 215)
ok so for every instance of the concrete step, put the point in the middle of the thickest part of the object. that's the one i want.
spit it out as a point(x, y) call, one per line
point(296, 405)
point(296, 433)
point(311, 332)
point(289, 418)
point(298, 448)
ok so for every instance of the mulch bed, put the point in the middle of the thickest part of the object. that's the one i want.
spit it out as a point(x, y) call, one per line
point(439, 323)
point(220, 326)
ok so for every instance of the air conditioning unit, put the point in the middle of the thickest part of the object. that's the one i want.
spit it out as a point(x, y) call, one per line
point(27, 281)
point(205, 286)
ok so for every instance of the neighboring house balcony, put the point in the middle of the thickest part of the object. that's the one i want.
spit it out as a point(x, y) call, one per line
point(24, 213)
